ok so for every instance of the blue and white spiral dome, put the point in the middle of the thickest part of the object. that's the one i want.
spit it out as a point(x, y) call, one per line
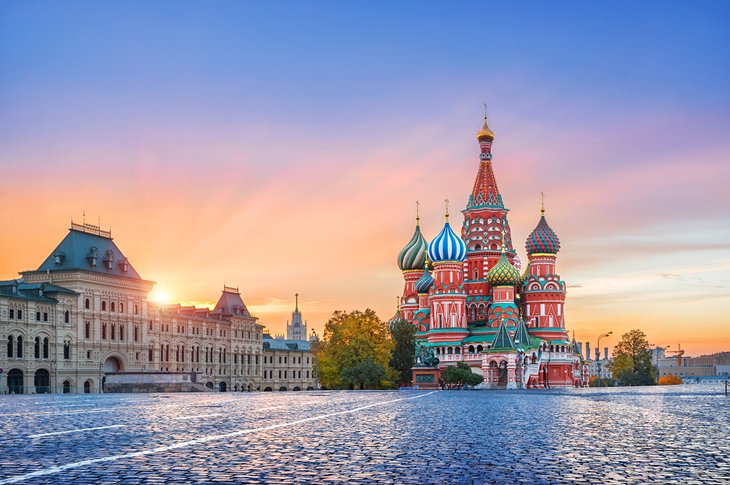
point(447, 246)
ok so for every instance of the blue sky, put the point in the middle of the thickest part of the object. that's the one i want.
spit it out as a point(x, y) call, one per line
point(225, 127)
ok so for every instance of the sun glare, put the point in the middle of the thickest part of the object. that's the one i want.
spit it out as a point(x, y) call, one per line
point(160, 296)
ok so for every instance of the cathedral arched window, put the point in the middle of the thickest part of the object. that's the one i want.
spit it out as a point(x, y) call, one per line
point(19, 348)
point(37, 348)
point(67, 350)
point(11, 344)
point(45, 348)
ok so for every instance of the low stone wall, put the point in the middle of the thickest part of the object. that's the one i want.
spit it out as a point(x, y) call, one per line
point(138, 382)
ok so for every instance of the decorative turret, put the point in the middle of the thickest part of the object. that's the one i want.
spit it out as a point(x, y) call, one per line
point(425, 282)
point(447, 246)
point(485, 133)
point(543, 292)
point(542, 239)
point(503, 273)
point(413, 255)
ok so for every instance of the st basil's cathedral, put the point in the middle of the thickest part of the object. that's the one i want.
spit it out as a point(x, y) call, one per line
point(469, 303)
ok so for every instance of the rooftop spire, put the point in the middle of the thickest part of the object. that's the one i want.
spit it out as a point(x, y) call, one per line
point(418, 216)
point(296, 299)
point(446, 204)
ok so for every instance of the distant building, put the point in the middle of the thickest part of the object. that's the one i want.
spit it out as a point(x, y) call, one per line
point(84, 314)
point(296, 330)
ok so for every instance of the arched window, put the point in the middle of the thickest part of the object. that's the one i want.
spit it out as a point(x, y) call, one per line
point(182, 353)
point(121, 308)
point(121, 331)
point(37, 348)
point(149, 354)
point(103, 330)
point(136, 333)
point(114, 331)
point(103, 305)
point(87, 304)
point(45, 348)
point(457, 350)
point(10, 346)
point(479, 348)
point(471, 349)
point(19, 348)
point(449, 350)
point(87, 387)
point(66, 387)
point(113, 307)
point(67, 317)
point(87, 330)
point(67, 350)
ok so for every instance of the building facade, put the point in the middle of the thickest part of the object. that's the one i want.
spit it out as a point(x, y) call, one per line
point(83, 313)
point(469, 302)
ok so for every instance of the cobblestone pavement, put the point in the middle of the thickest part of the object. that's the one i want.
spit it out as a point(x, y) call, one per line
point(662, 435)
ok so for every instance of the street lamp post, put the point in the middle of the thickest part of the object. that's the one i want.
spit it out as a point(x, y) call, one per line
point(598, 356)
point(547, 366)
point(520, 354)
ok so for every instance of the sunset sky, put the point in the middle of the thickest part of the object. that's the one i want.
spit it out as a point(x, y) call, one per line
point(280, 147)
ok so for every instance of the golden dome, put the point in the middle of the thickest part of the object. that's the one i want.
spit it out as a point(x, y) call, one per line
point(485, 134)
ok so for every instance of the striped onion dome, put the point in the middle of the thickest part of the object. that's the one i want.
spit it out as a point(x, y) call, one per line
point(447, 246)
point(542, 239)
point(413, 255)
point(425, 282)
point(503, 273)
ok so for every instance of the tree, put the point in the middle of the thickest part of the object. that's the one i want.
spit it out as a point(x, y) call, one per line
point(352, 338)
point(367, 374)
point(670, 380)
point(461, 374)
point(401, 357)
point(631, 364)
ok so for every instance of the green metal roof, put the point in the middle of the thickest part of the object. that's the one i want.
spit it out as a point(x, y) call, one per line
point(502, 341)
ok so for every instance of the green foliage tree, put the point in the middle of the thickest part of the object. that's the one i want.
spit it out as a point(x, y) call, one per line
point(367, 374)
point(459, 375)
point(401, 357)
point(632, 364)
point(352, 338)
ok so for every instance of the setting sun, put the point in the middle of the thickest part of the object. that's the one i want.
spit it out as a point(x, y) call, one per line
point(160, 295)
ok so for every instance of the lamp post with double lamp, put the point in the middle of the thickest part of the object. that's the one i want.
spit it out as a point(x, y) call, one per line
point(598, 356)
point(520, 357)
point(315, 341)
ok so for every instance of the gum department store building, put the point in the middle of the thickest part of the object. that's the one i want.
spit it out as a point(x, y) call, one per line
point(469, 303)
point(84, 314)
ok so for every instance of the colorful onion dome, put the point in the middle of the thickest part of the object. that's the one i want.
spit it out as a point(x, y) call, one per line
point(413, 255)
point(503, 273)
point(542, 239)
point(425, 282)
point(485, 134)
point(447, 246)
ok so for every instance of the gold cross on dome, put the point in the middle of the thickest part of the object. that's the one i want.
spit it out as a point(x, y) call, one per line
point(542, 203)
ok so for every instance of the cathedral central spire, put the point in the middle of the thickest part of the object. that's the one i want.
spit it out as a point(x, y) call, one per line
point(485, 191)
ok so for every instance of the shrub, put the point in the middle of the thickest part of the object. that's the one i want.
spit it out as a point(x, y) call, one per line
point(669, 380)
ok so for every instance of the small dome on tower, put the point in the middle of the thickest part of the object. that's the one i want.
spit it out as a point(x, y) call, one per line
point(485, 134)
point(425, 282)
point(413, 255)
point(503, 273)
point(447, 246)
point(542, 239)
